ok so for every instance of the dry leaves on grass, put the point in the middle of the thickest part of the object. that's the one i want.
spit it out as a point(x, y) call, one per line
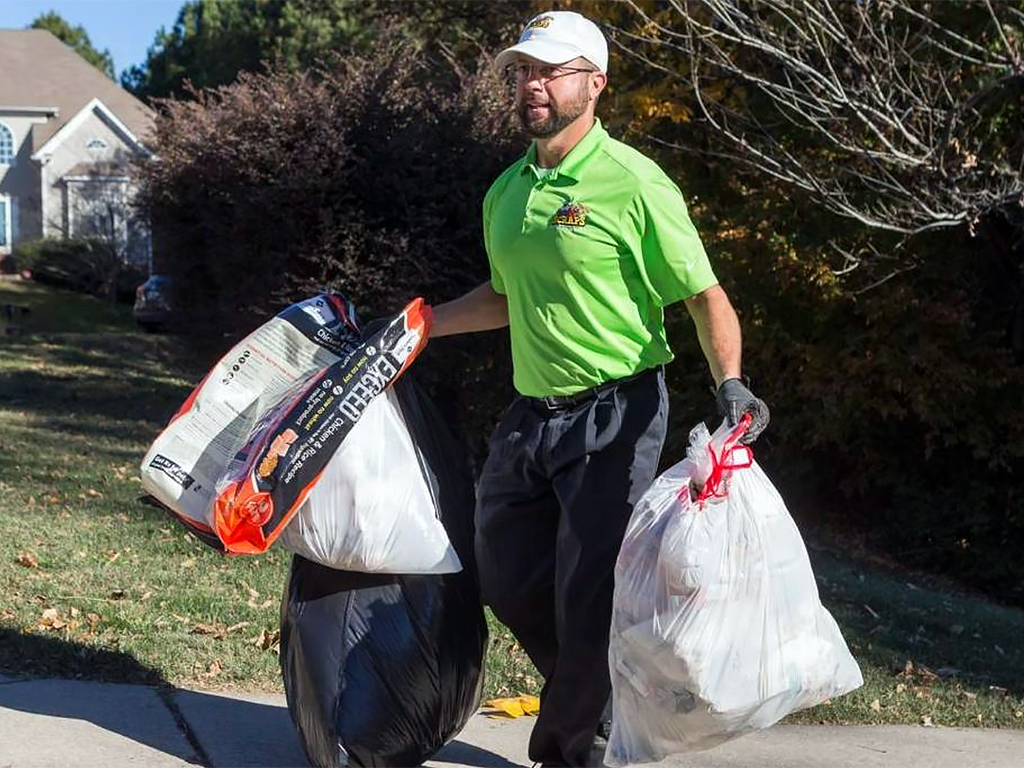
point(27, 559)
point(51, 620)
point(216, 630)
point(920, 674)
point(254, 596)
point(269, 641)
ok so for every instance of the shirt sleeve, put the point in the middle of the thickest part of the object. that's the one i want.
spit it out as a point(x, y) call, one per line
point(670, 254)
point(497, 284)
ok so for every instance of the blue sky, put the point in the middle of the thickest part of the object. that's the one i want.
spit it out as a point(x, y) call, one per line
point(125, 27)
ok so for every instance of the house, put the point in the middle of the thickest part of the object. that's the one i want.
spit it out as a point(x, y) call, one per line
point(67, 135)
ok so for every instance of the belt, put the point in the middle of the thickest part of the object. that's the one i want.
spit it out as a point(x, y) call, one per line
point(564, 402)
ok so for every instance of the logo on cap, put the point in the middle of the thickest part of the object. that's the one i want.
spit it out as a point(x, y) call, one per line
point(571, 214)
point(541, 22)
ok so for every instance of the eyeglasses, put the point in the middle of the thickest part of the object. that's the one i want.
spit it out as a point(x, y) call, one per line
point(525, 73)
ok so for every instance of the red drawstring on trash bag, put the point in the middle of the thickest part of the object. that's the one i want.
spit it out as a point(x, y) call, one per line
point(724, 463)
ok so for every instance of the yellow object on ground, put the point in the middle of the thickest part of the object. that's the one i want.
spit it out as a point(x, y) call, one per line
point(517, 706)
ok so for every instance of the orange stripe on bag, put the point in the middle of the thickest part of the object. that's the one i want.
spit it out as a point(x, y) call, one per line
point(251, 511)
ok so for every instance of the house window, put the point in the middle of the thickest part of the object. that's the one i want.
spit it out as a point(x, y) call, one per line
point(96, 145)
point(6, 145)
point(5, 223)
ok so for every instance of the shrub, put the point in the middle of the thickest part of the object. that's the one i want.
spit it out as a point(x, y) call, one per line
point(80, 265)
point(365, 177)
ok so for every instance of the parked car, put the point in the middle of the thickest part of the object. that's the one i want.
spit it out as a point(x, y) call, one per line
point(153, 304)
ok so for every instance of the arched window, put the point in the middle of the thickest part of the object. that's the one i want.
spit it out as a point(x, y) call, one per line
point(6, 145)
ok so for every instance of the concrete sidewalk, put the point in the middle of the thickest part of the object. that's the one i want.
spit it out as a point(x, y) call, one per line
point(73, 724)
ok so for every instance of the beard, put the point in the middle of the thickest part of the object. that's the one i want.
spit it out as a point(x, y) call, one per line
point(556, 119)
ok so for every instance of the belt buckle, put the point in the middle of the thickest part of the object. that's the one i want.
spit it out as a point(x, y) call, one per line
point(552, 403)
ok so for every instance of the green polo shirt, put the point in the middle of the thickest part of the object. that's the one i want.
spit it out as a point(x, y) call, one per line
point(588, 256)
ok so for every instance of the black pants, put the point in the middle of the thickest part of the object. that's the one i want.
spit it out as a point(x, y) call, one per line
point(553, 503)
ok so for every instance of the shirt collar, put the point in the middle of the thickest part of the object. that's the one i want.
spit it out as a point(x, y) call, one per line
point(572, 163)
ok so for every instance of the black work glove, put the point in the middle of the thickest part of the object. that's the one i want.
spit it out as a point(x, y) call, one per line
point(734, 400)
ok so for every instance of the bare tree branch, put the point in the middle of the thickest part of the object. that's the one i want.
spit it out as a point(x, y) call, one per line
point(901, 115)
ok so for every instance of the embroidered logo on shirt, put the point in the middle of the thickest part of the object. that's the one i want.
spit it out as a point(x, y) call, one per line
point(572, 214)
point(543, 23)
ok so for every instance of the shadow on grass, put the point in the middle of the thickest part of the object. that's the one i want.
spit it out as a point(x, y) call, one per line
point(35, 655)
point(122, 381)
point(890, 621)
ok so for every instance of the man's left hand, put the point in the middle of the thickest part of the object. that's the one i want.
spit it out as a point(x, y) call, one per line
point(734, 400)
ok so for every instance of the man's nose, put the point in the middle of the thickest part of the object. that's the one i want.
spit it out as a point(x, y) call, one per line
point(534, 84)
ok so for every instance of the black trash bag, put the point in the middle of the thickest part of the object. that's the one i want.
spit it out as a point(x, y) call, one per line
point(384, 670)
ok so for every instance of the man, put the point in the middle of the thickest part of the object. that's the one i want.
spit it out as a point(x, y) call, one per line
point(588, 241)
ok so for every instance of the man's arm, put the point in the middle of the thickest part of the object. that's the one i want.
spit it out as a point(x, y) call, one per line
point(718, 330)
point(479, 310)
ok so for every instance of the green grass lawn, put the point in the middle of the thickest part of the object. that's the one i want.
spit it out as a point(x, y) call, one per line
point(95, 584)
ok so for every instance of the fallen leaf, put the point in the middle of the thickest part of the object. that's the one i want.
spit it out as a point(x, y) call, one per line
point(217, 630)
point(269, 641)
point(28, 560)
point(7, 614)
point(146, 595)
point(94, 493)
point(189, 563)
point(900, 688)
point(215, 669)
point(923, 672)
point(51, 620)
point(238, 626)
point(926, 721)
point(876, 706)
point(75, 613)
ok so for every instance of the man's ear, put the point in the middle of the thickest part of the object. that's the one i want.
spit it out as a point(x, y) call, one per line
point(597, 83)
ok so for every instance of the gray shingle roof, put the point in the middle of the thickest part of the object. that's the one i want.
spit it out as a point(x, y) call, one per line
point(38, 70)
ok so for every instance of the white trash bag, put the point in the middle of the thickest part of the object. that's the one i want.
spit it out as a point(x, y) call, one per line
point(717, 627)
point(374, 509)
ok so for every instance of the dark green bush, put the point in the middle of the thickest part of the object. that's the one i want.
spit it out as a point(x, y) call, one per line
point(81, 265)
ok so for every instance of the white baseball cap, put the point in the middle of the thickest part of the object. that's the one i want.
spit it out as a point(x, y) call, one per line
point(557, 37)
